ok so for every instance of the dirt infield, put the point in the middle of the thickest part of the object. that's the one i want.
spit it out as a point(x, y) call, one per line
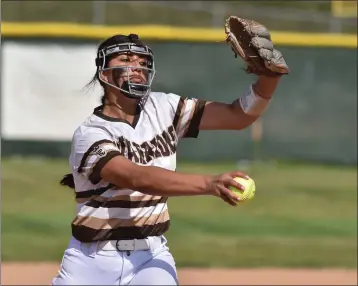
point(42, 274)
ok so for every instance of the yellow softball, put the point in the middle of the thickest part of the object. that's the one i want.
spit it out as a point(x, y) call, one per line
point(249, 191)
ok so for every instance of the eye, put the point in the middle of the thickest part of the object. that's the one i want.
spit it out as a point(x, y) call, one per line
point(144, 64)
point(126, 60)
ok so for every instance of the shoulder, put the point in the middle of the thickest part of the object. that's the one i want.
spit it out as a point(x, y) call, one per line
point(164, 95)
point(91, 129)
point(167, 100)
point(176, 103)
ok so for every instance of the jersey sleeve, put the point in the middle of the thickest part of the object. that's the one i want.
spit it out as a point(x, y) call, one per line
point(187, 114)
point(91, 150)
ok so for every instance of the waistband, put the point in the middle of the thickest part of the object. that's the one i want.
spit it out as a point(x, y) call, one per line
point(149, 243)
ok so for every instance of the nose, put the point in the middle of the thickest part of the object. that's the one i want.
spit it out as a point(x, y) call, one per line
point(136, 72)
point(136, 68)
point(135, 60)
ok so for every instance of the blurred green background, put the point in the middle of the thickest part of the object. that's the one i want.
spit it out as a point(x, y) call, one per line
point(304, 165)
point(309, 16)
point(302, 216)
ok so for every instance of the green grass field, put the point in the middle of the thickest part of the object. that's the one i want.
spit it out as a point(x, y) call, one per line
point(302, 216)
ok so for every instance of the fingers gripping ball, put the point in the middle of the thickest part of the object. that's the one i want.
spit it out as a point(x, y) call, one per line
point(249, 191)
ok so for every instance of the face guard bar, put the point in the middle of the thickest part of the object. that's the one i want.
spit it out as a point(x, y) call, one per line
point(128, 88)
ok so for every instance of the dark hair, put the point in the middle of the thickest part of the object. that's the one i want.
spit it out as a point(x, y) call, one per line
point(68, 181)
point(116, 39)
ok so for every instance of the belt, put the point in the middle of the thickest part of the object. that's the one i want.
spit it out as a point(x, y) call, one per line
point(130, 245)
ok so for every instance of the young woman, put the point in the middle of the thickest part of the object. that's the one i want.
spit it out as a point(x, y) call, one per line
point(123, 161)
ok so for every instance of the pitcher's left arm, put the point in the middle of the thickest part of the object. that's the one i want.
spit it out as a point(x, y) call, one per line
point(243, 111)
point(250, 41)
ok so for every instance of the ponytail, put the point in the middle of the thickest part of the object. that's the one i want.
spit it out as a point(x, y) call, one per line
point(68, 181)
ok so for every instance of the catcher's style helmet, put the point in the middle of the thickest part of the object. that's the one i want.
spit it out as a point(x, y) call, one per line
point(120, 44)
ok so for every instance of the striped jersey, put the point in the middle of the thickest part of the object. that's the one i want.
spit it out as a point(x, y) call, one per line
point(109, 212)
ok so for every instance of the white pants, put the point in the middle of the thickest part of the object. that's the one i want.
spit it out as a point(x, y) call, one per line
point(85, 264)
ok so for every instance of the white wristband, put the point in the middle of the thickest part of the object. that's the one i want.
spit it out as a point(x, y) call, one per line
point(252, 104)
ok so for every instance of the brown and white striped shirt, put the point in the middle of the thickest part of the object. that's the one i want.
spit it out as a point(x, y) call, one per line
point(105, 211)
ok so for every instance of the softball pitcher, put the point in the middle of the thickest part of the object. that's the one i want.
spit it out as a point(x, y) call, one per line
point(123, 161)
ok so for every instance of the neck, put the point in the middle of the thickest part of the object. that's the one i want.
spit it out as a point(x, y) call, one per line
point(120, 106)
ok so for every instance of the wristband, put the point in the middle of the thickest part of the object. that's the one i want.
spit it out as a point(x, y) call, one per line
point(252, 104)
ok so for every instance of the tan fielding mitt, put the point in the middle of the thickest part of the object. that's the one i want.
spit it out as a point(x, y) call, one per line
point(252, 42)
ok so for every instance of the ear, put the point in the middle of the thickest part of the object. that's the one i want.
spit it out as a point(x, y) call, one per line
point(103, 76)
